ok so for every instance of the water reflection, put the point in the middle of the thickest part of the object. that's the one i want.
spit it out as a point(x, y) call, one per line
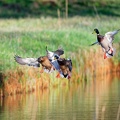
point(96, 99)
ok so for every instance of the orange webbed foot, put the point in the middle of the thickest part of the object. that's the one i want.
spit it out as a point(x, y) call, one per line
point(58, 75)
point(105, 56)
point(42, 71)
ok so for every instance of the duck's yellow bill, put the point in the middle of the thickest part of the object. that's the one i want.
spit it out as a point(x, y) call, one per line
point(93, 32)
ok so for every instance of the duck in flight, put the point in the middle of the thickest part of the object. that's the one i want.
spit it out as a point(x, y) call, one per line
point(106, 42)
point(62, 65)
point(35, 62)
point(49, 63)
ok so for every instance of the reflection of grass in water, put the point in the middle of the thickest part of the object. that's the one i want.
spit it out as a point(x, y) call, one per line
point(63, 98)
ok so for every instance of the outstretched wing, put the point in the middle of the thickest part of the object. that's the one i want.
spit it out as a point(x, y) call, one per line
point(110, 35)
point(50, 54)
point(27, 61)
point(53, 54)
point(94, 43)
point(59, 52)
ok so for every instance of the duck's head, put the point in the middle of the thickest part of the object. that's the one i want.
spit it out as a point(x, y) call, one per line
point(56, 56)
point(95, 31)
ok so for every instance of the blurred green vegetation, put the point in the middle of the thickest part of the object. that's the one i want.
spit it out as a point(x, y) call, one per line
point(37, 8)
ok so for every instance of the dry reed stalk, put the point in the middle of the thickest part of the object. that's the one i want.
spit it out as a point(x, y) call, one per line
point(87, 64)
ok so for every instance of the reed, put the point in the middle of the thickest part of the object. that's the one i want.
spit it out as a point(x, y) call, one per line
point(28, 38)
point(87, 64)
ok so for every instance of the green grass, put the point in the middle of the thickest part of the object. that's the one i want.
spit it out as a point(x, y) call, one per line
point(28, 37)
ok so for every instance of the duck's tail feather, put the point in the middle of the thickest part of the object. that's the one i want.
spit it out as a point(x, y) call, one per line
point(109, 55)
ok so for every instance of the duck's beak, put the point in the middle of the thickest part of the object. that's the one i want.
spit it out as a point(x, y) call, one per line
point(93, 32)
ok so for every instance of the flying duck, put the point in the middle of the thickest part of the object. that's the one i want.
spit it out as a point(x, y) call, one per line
point(35, 62)
point(106, 42)
point(62, 65)
point(53, 56)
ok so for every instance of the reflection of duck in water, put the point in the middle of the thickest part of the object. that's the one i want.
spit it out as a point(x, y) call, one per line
point(62, 65)
point(106, 42)
point(43, 60)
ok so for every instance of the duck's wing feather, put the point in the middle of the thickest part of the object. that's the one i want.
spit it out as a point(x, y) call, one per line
point(59, 52)
point(27, 61)
point(56, 65)
point(69, 64)
point(110, 35)
point(51, 54)
point(94, 43)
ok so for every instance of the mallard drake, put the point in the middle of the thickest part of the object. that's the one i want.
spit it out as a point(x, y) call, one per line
point(43, 60)
point(62, 65)
point(106, 42)
point(53, 56)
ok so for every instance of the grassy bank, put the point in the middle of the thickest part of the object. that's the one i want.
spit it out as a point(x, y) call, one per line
point(28, 37)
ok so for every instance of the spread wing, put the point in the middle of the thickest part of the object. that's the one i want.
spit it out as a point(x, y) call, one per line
point(27, 61)
point(52, 54)
point(59, 52)
point(94, 43)
point(110, 35)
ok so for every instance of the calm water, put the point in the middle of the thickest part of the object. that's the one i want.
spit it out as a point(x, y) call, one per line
point(98, 99)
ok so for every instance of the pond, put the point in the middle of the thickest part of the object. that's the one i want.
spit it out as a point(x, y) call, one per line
point(97, 99)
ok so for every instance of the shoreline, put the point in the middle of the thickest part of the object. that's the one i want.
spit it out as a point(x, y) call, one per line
point(25, 79)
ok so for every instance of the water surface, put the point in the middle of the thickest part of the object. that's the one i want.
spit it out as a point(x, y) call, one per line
point(97, 99)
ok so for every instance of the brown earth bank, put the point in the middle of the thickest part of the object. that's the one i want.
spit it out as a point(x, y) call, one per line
point(87, 65)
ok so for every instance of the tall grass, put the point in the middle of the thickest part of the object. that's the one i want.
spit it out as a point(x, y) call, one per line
point(28, 38)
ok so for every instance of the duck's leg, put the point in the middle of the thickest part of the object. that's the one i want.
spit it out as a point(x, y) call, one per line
point(58, 75)
point(105, 55)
